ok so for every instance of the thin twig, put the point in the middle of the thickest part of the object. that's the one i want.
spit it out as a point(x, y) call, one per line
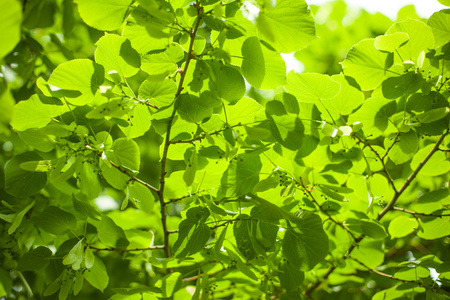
point(391, 146)
point(134, 178)
point(419, 214)
point(190, 56)
point(128, 250)
point(388, 208)
point(381, 159)
point(419, 283)
point(326, 212)
point(408, 181)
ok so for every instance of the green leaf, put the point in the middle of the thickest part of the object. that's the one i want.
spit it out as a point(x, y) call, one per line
point(114, 177)
point(374, 116)
point(34, 260)
point(141, 40)
point(305, 243)
point(89, 258)
point(169, 284)
point(75, 256)
point(226, 82)
point(241, 266)
point(80, 75)
point(369, 252)
point(373, 229)
point(368, 66)
point(85, 208)
point(116, 54)
point(312, 88)
point(79, 281)
point(290, 277)
point(404, 85)
point(347, 100)
point(142, 197)
point(243, 112)
point(402, 226)
point(5, 283)
point(433, 201)
point(15, 223)
point(160, 65)
point(55, 220)
point(191, 168)
point(263, 68)
point(420, 38)
point(242, 233)
point(190, 109)
point(432, 228)
point(288, 130)
point(240, 177)
point(110, 234)
point(440, 24)
point(193, 233)
point(88, 181)
point(36, 112)
point(125, 153)
point(391, 42)
point(159, 9)
point(11, 14)
point(219, 243)
point(438, 164)
point(288, 27)
point(159, 93)
point(405, 148)
point(17, 178)
point(104, 14)
point(37, 139)
point(138, 122)
point(97, 275)
point(432, 115)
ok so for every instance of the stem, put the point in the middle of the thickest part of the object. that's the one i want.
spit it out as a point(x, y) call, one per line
point(419, 283)
point(408, 181)
point(391, 181)
point(418, 214)
point(388, 208)
point(163, 204)
point(128, 250)
point(325, 212)
point(134, 178)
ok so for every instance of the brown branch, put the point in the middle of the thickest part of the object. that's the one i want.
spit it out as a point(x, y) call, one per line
point(331, 269)
point(419, 283)
point(134, 178)
point(128, 250)
point(325, 212)
point(190, 56)
point(203, 134)
point(388, 208)
point(381, 159)
point(391, 146)
point(408, 181)
point(418, 214)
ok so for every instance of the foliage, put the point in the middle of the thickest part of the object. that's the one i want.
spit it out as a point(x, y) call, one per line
point(157, 149)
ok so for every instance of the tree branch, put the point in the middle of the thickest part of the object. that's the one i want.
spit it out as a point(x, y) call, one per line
point(381, 159)
point(408, 181)
point(325, 212)
point(418, 214)
point(389, 207)
point(190, 56)
point(419, 283)
point(134, 178)
point(128, 250)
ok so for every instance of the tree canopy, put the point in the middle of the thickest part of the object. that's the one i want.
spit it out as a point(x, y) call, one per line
point(159, 149)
